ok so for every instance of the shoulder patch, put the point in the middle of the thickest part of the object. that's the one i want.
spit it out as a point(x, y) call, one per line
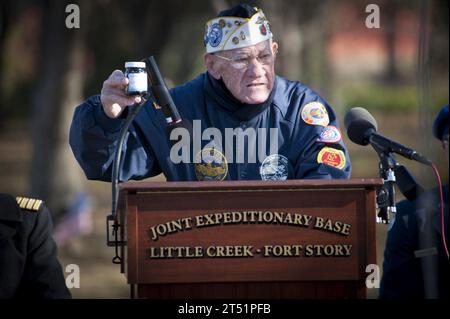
point(330, 134)
point(29, 203)
point(332, 157)
point(315, 113)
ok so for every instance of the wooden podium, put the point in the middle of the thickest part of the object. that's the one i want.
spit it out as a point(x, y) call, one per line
point(248, 239)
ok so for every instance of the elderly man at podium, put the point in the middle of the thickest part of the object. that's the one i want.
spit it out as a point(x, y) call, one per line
point(248, 123)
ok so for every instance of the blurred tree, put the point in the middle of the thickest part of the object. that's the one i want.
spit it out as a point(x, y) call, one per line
point(55, 177)
point(134, 30)
point(389, 21)
point(9, 11)
point(175, 22)
point(439, 43)
point(302, 33)
point(424, 83)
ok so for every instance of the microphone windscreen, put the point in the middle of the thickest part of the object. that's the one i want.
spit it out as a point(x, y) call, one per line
point(358, 121)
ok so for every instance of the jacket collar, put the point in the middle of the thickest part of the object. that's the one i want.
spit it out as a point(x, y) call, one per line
point(217, 90)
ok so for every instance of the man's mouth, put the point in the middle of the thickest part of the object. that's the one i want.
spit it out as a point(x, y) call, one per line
point(255, 84)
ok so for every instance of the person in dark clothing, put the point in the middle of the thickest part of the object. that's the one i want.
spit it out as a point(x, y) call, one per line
point(416, 263)
point(29, 267)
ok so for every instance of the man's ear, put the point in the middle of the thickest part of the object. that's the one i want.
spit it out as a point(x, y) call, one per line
point(212, 66)
point(274, 47)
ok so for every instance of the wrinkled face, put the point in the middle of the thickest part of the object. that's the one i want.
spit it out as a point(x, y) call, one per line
point(248, 72)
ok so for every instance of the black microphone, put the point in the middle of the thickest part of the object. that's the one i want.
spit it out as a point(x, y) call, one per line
point(362, 129)
point(160, 93)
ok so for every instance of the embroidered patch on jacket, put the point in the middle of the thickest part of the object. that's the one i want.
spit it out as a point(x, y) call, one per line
point(315, 113)
point(332, 157)
point(274, 167)
point(330, 134)
point(212, 165)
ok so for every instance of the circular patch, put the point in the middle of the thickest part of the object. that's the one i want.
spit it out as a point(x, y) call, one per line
point(215, 35)
point(330, 134)
point(274, 167)
point(211, 165)
point(332, 157)
point(315, 113)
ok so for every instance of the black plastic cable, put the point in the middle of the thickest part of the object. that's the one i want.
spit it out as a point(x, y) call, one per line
point(134, 110)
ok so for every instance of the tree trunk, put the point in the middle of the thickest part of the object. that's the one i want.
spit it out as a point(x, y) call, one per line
point(55, 177)
point(390, 9)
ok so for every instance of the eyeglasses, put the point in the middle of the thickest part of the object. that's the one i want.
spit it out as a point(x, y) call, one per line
point(243, 62)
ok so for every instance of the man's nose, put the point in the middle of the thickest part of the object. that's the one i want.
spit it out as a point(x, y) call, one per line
point(255, 68)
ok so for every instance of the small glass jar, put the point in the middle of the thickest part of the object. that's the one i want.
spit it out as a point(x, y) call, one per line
point(137, 78)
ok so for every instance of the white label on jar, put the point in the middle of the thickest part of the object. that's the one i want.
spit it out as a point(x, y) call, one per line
point(137, 82)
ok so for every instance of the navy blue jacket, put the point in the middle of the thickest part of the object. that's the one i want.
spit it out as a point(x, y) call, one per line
point(29, 267)
point(304, 150)
point(409, 258)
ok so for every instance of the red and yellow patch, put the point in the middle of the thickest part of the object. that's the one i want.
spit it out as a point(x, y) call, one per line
point(332, 157)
